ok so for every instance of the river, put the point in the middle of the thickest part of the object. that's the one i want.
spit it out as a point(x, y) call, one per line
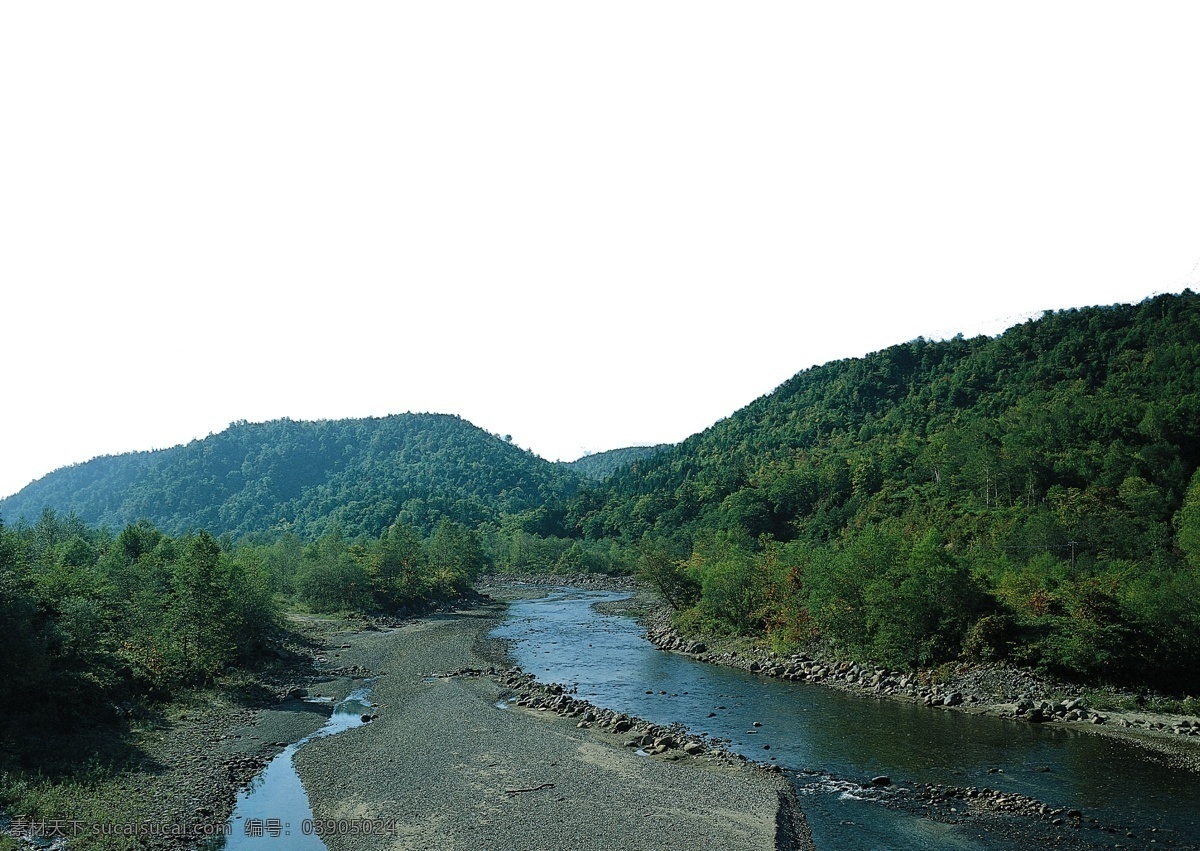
point(832, 743)
point(273, 810)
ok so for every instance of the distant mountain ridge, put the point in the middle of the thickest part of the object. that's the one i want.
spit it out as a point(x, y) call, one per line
point(258, 478)
point(600, 465)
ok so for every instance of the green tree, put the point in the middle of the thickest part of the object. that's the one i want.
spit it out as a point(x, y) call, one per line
point(920, 608)
point(331, 577)
point(846, 585)
point(571, 560)
point(201, 610)
point(395, 567)
point(137, 539)
point(253, 613)
point(24, 636)
point(732, 588)
point(1187, 523)
point(455, 557)
point(666, 573)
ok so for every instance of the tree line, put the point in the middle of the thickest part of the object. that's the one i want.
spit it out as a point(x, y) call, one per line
point(1030, 497)
point(94, 622)
point(97, 624)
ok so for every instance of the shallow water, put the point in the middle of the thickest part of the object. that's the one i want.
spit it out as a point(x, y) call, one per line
point(272, 812)
point(833, 743)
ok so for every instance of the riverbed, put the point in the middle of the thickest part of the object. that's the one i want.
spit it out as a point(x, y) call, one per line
point(273, 810)
point(832, 744)
point(441, 767)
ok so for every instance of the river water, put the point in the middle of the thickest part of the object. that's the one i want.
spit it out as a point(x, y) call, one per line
point(832, 743)
point(272, 812)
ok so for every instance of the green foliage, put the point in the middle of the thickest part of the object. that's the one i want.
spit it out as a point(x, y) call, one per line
point(924, 605)
point(68, 789)
point(331, 577)
point(266, 479)
point(1187, 523)
point(396, 567)
point(455, 558)
point(397, 570)
point(512, 548)
point(731, 590)
point(252, 613)
point(989, 638)
point(600, 465)
point(1033, 496)
point(89, 622)
point(24, 632)
point(201, 599)
point(1097, 636)
point(881, 596)
point(667, 573)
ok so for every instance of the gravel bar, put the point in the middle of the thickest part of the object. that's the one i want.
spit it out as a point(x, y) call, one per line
point(442, 767)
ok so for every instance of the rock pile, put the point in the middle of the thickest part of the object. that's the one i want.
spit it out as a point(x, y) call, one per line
point(994, 801)
point(803, 667)
point(1182, 727)
point(589, 581)
point(938, 799)
point(352, 671)
point(1061, 710)
point(980, 687)
point(673, 742)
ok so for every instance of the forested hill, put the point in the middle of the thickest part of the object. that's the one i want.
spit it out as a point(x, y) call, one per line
point(1033, 495)
point(304, 476)
point(600, 465)
point(1097, 402)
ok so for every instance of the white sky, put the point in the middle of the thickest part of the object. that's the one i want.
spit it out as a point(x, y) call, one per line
point(586, 225)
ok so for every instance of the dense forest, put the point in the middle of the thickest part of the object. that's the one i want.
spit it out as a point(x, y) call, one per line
point(94, 623)
point(600, 465)
point(306, 477)
point(1032, 496)
point(100, 626)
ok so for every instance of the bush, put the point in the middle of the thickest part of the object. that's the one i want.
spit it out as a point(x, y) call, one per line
point(989, 638)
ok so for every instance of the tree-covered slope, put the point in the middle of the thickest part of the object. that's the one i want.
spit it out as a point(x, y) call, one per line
point(97, 482)
point(1021, 495)
point(1079, 399)
point(304, 476)
point(600, 465)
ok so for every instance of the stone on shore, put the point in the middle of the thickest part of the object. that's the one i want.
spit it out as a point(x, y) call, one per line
point(444, 768)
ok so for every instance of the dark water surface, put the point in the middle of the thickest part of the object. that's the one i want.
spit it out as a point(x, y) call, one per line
point(834, 742)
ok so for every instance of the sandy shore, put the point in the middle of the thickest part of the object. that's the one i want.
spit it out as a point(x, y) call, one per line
point(453, 771)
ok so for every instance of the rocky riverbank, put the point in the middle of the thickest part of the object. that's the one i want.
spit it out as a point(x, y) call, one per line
point(442, 765)
point(466, 752)
point(541, 581)
point(985, 689)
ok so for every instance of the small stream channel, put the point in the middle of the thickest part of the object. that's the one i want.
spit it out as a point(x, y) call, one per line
point(273, 811)
point(832, 743)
